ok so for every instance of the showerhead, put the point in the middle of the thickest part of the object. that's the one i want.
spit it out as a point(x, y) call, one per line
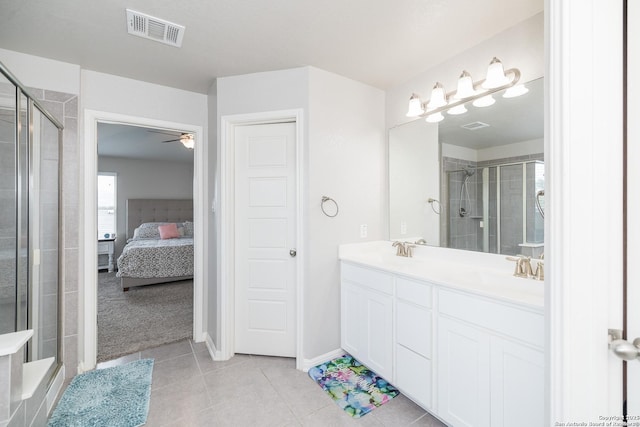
point(469, 170)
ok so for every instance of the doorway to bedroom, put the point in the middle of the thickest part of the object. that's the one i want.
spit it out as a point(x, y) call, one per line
point(145, 179)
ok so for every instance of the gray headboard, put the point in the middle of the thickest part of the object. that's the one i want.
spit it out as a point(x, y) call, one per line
point(157, 210)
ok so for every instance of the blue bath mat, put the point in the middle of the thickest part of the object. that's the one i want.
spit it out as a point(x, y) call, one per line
point(355, 389)
point(117, 397)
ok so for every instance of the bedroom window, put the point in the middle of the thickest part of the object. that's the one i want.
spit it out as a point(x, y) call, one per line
point(106, 205)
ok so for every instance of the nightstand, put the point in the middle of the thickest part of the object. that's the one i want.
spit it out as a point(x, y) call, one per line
point(106, 247)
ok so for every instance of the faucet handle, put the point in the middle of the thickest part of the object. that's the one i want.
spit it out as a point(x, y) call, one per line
point(523, 266)
point(402, 250)
point(409, 249)
point(539, 274)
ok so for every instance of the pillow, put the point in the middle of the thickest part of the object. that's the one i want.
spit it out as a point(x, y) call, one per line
point(169, 231)
point(147, 230)
point(188, 229)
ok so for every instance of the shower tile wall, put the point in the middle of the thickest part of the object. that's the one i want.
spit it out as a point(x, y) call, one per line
point(461, 232)
point(465, 232)
point(64, 107)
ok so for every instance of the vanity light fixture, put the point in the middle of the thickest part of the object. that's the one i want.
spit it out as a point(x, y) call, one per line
point(467, 90)
point(415, 106)
point(465, 86)
point(495, 75)
point(438, 97)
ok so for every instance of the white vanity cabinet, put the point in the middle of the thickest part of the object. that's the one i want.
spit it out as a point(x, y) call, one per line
point(469, 357)
point(367, 317)
point(490, 362)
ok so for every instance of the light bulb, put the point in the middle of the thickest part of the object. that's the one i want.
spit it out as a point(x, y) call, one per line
point(435, 118)
point(485, 101)
point(465, 86)
point(460, 109)
point(415, 106)
point(495, 75)
point(514, 91)
point(438, 97)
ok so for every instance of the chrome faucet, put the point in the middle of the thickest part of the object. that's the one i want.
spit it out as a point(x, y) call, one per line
point(401, 249)
point(523, 266)
point(404, 249)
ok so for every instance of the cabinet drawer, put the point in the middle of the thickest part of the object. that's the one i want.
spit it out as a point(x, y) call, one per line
point(367, 277)
point(414, 376)
point(414, 291)
point(414, 328)
point(519, 323)
point(103, 247)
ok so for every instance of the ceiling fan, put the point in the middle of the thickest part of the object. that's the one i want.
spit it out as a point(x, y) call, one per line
point(186, 138)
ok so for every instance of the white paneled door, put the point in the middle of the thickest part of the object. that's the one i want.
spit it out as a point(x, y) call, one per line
point(633, 205)
point(265, 237)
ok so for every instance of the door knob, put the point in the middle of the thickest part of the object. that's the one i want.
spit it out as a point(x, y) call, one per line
point(625, 350)
point(293, 253)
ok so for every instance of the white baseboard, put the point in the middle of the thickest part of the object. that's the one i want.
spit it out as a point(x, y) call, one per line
point(310, 363)
point(215, 354)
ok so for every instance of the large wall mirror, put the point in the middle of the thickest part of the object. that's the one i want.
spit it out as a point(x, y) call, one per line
point(473, 181)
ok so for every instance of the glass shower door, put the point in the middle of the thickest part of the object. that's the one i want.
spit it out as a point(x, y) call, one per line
point(44, 237)
point(8, 207)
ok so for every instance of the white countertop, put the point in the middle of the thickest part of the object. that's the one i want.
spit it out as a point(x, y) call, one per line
point(481, 273)
point(12, 342)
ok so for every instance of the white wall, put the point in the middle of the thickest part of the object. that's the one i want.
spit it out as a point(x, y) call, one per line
point(345, 159)
point(36, 72)
point(347, 162)
point(521, 46)
point(109, 93)
point(145, 179)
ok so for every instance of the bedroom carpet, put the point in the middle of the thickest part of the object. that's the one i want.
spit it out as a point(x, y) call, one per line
point(143, 317)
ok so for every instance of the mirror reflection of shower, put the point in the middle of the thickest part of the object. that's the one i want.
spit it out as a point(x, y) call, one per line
point(494, 206)
point(539, 206)
point(465, 200)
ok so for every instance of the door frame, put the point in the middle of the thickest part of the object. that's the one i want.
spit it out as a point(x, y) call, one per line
point(87, 313)
point(226, 224)
point(584, 241)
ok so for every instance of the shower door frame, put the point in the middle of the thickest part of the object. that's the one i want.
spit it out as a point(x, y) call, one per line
point(22, 93)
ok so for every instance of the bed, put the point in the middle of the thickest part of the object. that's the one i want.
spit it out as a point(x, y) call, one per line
point(159, 245)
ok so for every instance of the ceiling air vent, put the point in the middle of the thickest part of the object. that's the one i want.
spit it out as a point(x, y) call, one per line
point(149, 27)
point(475, 125)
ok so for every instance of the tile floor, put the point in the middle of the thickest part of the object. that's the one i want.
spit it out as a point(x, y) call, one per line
point(190, 389)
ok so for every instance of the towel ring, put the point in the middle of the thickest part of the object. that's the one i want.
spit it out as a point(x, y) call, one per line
point(431, 202)
point(326, 199)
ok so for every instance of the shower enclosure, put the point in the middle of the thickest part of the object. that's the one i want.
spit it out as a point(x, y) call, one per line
point(30, 158)
point(496, 208)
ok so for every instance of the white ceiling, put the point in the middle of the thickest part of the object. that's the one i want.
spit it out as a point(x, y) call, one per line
point(379, 42)
point(134, 142)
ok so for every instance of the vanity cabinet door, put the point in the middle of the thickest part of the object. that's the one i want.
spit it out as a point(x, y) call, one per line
point(464, 377)
point(517, 384)
point(352, 323)
point(378, 318)
point(366, 327)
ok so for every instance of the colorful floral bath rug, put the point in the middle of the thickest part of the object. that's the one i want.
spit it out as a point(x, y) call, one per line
point(356, 389)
